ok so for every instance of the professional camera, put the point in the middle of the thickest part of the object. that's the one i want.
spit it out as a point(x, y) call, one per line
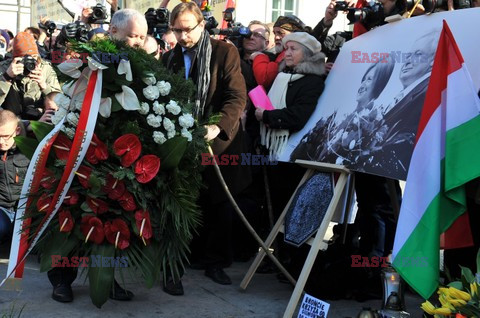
point(157, 20)
point(341, 6)
point(48, 26)
point(99, 14)
point(29, 64)
point(431, 5)
point(370, 16)
point(210, 23)
point(73, 31)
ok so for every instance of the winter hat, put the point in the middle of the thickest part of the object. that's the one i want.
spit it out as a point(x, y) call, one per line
point(290, 23)
point(23, 44)
point(5, 36)
point(305, 39)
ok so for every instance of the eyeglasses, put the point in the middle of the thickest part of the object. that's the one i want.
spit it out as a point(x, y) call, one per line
point(259, 35)
point(5, 138)
point(180, 31)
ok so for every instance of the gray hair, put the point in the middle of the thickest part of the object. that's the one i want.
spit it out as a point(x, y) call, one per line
point(121, 18)
point(306, 51)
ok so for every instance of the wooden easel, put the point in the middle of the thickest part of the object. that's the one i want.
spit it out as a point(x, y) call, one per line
point(316, 242)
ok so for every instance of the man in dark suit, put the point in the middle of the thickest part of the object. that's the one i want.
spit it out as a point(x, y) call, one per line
point(214, 66)
point(403, 115)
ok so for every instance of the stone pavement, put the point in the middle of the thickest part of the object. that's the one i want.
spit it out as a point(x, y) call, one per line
point(265, 297)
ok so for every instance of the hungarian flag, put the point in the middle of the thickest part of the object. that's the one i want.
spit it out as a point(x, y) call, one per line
point(446, 156)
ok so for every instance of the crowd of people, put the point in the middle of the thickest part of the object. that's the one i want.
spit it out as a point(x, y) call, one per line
point(287, 57)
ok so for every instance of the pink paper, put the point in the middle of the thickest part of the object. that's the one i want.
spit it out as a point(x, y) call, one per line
point(260, 99)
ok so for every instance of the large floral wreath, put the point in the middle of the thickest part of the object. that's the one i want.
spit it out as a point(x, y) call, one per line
point(134, 194)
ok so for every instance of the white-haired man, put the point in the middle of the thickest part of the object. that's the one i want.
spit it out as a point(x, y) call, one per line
point(130, 26)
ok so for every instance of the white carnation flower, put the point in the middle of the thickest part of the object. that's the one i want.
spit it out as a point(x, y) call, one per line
point(185, 133)
point(151, 92)
point(62, 101)
point(173, 107)
point(164, 88)
point(149, 79)
point(58, 116)
point(158, 108)
point(72, 118)
point(144, 108)
point(168, 125)
point(70, 132)
point(186, 121)
point(170, 134)
point(159, 137)
point(154, 121)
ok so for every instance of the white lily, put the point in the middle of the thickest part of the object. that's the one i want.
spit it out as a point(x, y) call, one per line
point(124, 68)
point(95, 65)
point(128, 99)
point(71, 68)
point(105, 107)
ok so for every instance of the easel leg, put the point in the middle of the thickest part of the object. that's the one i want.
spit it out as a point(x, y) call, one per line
point(271, 237)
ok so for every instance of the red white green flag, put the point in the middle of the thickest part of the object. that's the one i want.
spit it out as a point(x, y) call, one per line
point(446, 156)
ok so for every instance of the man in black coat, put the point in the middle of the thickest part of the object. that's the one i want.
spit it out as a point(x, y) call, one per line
point(404, 113)
point(214, 66)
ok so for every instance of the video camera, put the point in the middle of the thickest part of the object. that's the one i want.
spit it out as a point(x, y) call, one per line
point(73, 31)
point(99, 14)
point(157, 20)
point(235, 32)
point(370, 16)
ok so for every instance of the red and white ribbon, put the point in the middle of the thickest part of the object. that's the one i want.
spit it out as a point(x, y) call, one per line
point(81, 141)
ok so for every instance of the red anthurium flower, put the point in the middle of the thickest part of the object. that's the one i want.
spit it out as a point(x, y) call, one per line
point(128, 147)
point(65, 220)
point(146, 168)
point(71, 198)
point(92, 228)
point(44, 202)
point(62, 146)
point(117, 233)
point(114, 187)
point(48, 179)
point(83, 173)
point(90, 155)
point(101, 150)
point(98, 206)
point(142, 219)
point(127, 201)
point(97, 151)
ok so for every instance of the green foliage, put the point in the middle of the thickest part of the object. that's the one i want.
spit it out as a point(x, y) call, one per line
point(26, 145)
point(41, 129)
point(12, 311)
point(100, 277)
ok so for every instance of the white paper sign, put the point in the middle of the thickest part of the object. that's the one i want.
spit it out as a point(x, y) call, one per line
point(312, 307)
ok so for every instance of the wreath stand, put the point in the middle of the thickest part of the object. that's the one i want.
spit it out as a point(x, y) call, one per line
point(316, 240)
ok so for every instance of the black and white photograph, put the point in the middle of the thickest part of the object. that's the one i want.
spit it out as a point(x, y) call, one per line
point(367, 117)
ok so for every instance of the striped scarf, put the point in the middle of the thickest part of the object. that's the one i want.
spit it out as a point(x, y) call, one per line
point(204, 54)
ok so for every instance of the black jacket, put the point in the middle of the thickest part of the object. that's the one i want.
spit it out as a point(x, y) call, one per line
point(301, 98)
point(13, 167)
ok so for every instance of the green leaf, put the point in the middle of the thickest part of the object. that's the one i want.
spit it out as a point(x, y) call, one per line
point(26, 145)
point(171, 152)
point(62, 244)
point(41, 129)
point(456, 284)
point(467, 275)
point(95, 183)
point(101, 278)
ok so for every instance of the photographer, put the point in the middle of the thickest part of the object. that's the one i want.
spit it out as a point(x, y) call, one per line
point(28, 84)
point(265, 69)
